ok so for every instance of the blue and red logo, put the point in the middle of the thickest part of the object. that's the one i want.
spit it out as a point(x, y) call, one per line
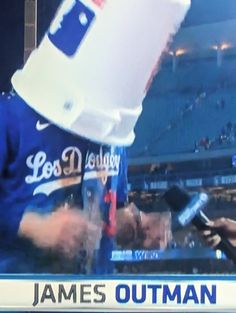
point(99, 3)
point(73, 28)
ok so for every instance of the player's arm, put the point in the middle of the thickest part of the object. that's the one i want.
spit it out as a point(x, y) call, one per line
point(10, 215)
point(13, 218)
point(64, 230)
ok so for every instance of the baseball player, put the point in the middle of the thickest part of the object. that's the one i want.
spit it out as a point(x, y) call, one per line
point(64, 132)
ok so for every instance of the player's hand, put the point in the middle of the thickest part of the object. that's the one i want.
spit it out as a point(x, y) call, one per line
point(75, 233)
point(226, 226)
point(156, 229)
point(65, 230)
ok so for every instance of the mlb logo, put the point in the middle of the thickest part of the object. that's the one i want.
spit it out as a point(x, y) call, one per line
point(99, 3)
point(72, 28)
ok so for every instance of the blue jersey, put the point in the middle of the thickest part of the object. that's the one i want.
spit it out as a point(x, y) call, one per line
point(41, 168)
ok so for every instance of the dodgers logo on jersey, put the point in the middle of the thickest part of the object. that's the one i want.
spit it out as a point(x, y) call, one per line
point(62, 172)
point(102, 165)
point(68, 30)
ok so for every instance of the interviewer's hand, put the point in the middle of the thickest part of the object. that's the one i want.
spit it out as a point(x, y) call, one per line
point(65, 230)
point(226, 226)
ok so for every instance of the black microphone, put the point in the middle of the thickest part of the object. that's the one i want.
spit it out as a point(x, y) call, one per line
point(189, 210)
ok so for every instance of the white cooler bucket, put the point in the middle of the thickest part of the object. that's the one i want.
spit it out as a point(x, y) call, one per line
point(91, 71)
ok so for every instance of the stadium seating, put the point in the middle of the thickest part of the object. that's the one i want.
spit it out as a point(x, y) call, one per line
point(182, 108)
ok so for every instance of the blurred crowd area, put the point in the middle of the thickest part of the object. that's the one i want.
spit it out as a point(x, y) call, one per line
point(189, 111)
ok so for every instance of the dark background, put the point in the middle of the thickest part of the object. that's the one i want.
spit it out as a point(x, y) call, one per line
point(12, 34)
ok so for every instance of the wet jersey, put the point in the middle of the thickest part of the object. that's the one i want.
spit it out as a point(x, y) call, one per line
point(41, 168)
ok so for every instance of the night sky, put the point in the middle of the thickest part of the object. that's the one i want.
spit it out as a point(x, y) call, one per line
point(12, 39)
point(12, 34)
